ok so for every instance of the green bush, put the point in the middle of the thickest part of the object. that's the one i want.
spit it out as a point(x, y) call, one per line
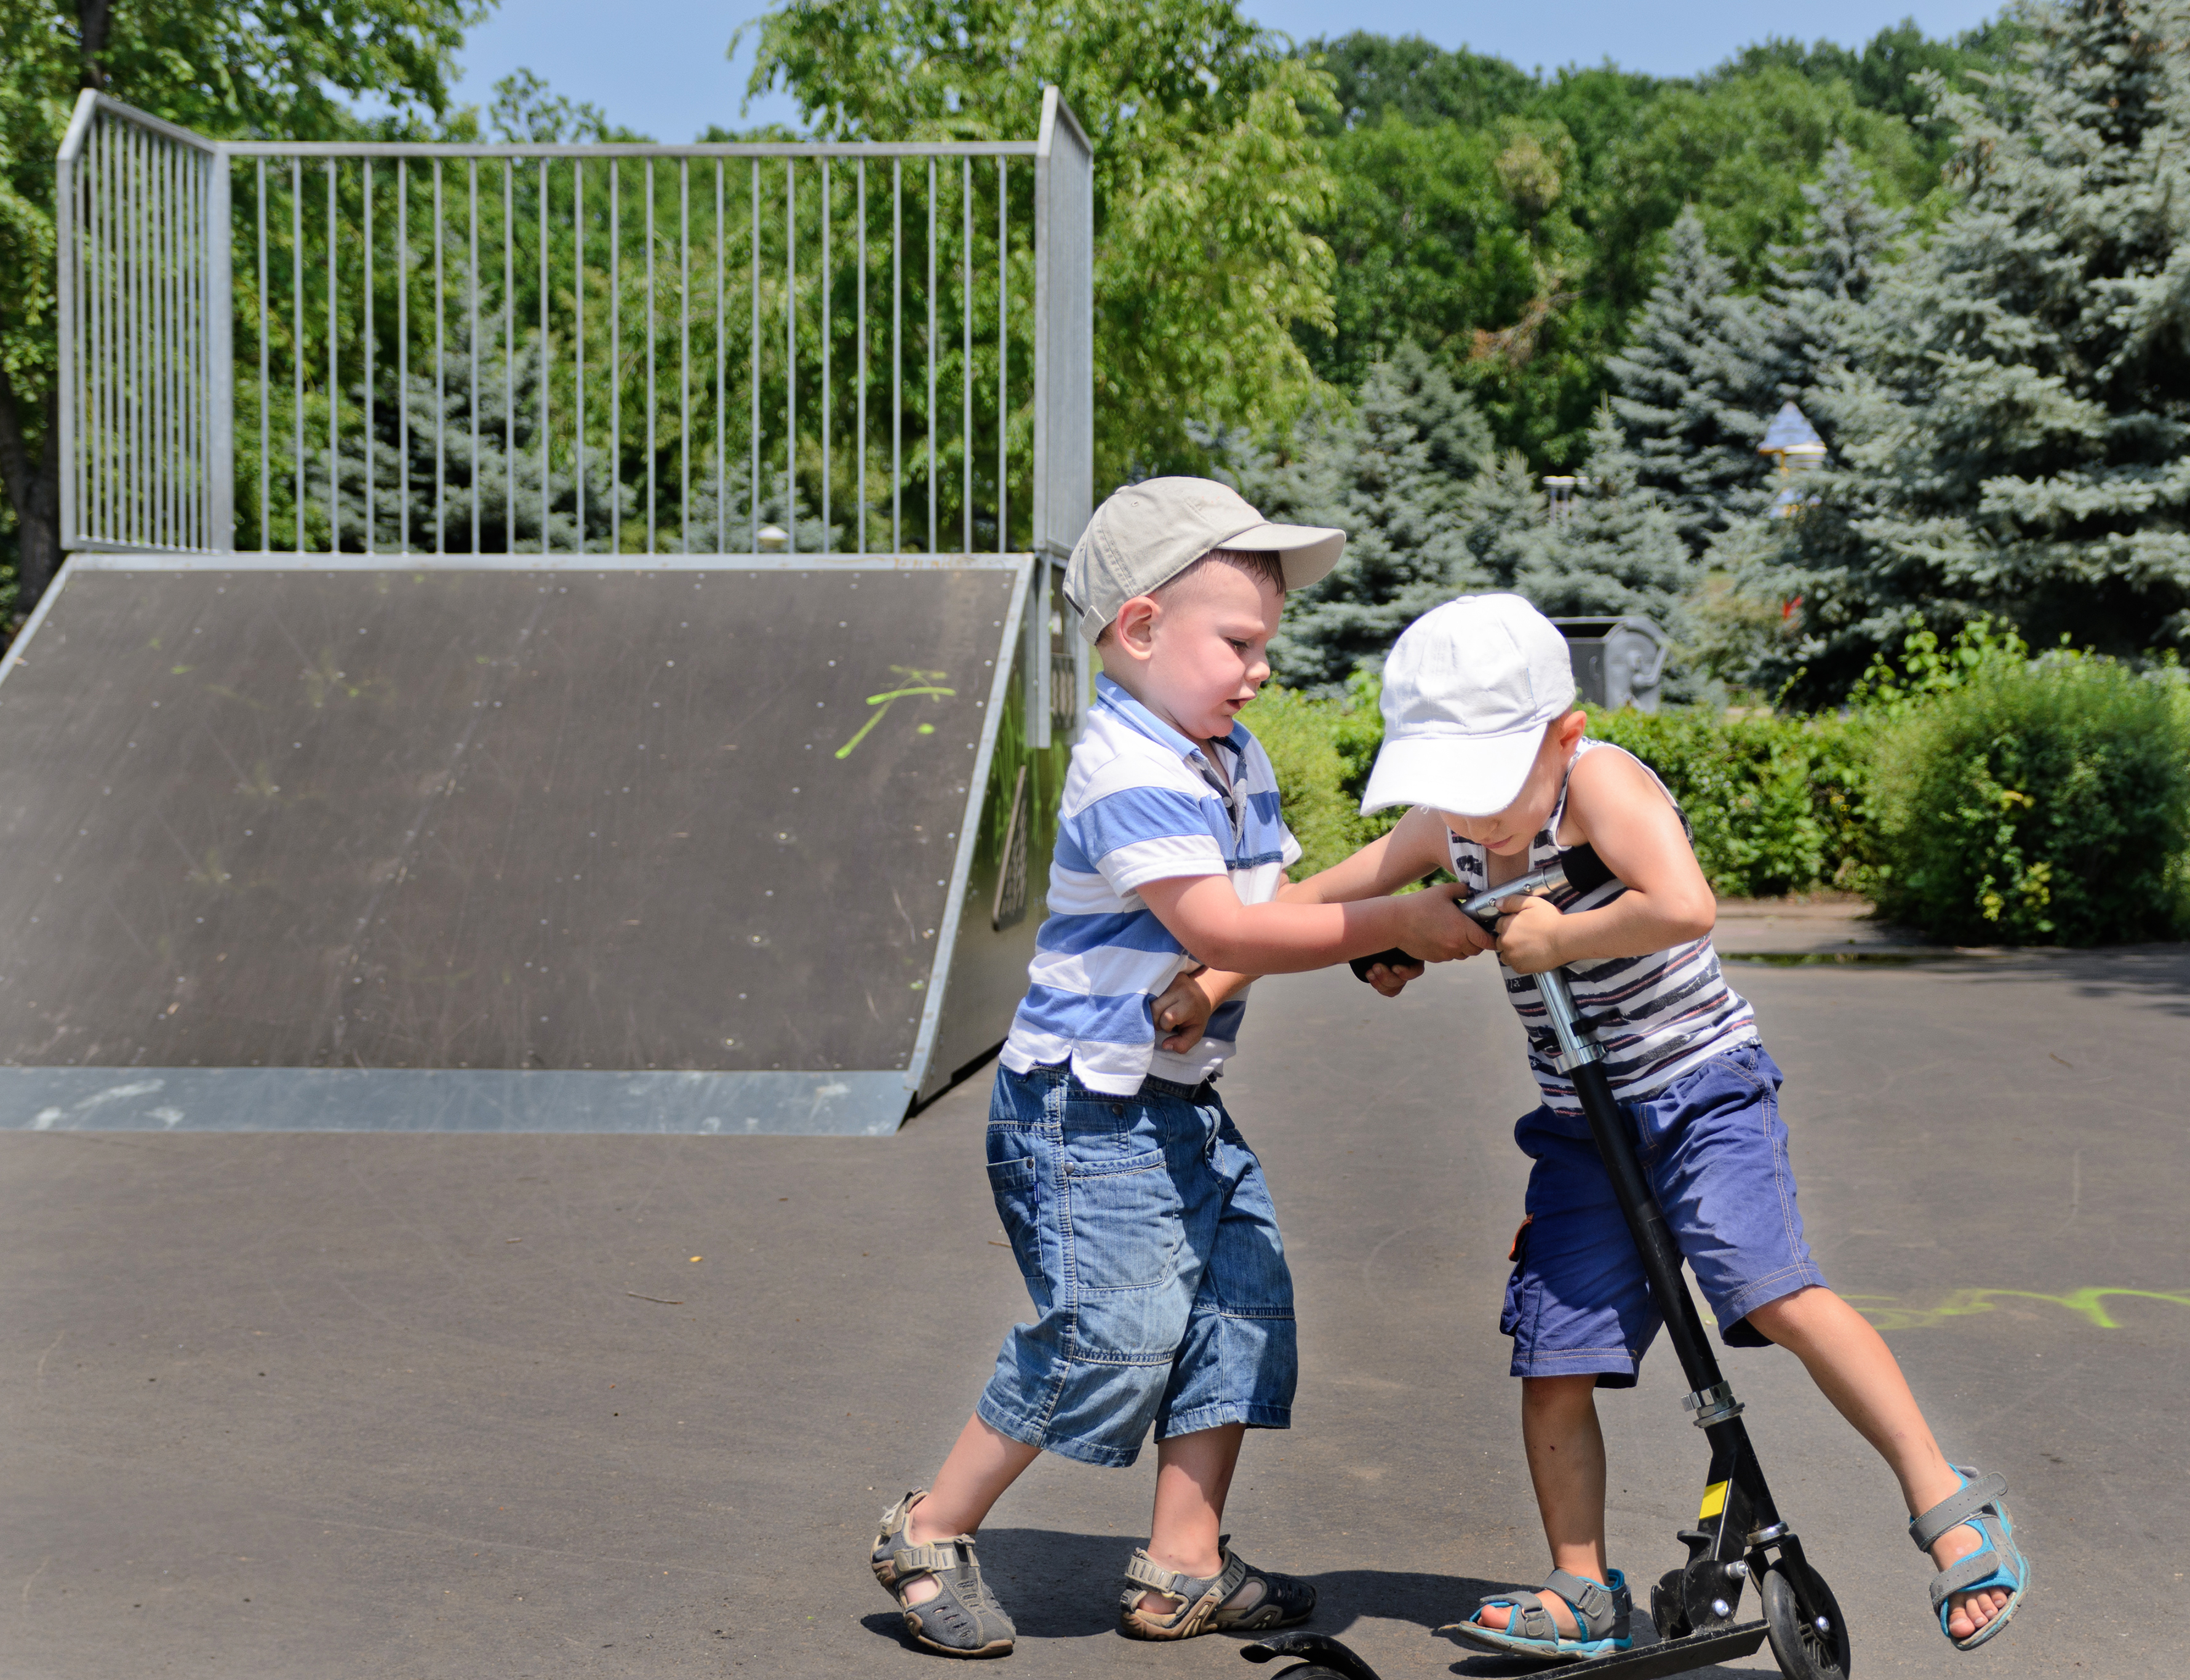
point(1322, 751)
point(1777, 803)
point(2037, 804)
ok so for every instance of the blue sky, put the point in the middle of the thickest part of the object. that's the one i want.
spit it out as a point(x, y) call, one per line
point(614, 57)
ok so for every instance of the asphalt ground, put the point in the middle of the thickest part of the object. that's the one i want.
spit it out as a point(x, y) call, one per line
point(306, 1406)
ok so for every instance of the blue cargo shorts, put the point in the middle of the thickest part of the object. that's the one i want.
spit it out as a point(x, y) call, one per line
point(1145, 1236)
point(1714, 1149)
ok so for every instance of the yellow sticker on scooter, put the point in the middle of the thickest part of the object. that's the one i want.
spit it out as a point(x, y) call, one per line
point(1714, 1500)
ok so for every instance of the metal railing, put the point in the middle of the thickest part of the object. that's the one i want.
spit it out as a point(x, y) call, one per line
point(579, 349)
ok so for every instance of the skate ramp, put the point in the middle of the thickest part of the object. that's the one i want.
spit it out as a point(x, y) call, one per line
point(404, 846)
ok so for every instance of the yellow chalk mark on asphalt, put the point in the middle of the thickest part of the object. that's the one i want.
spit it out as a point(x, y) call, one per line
point(1886, 1312)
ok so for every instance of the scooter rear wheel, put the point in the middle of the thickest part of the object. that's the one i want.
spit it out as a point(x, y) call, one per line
point(1804, 1650)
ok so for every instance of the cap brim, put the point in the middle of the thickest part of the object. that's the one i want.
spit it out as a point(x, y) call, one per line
point(1307, 552)
point(1469, 775)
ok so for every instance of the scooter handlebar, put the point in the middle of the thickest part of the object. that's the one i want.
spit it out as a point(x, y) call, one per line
point(1578, 868)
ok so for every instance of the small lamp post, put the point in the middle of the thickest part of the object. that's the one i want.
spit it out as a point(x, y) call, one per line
point(1795, 448)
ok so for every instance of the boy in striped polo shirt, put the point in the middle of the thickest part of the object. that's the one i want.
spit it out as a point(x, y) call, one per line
point(1483, 739)
point(1137, 1212)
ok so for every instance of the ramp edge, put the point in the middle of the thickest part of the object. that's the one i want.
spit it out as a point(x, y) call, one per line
point(771, 1104)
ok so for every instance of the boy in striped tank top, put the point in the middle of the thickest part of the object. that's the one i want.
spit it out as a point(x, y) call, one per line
point(1484, 742)
point(1139, 1215)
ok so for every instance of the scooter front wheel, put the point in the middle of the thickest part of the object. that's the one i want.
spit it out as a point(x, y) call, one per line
point(1812, 1645)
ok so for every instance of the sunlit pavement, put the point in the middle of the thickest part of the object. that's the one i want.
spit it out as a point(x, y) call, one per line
point(398, 1406)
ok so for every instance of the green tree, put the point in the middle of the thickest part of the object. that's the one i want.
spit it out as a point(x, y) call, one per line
point(1418, 81)
point(1207, 180)
point(2013, 436)
point(1820, 285)
point(1394, 471)
point(227, 68)
point(1696, 389)
point(1615, 545)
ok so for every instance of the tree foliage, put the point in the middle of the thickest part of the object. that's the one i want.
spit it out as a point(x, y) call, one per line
point(1394, 471)
point(228, 69)
point(2015, 431)
point(1208, 178)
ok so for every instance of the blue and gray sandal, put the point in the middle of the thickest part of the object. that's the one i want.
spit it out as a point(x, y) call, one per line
point(1603, 1612)
point(1996, 1565)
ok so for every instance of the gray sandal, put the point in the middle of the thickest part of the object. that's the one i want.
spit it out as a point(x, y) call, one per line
point(1602, 1611)
point(1286, 1602)
point(963, 1619)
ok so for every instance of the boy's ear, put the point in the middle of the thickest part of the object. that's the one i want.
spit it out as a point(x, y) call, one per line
point(1569, 728)
point(1133, 631)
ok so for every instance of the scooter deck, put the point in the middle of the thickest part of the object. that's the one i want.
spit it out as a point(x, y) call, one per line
point(1671, 1657)
point(1652, 1662)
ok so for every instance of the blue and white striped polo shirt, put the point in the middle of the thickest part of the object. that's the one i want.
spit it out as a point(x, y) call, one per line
point(1141, 803)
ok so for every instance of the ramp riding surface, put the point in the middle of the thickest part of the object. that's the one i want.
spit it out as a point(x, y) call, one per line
point(679, 849)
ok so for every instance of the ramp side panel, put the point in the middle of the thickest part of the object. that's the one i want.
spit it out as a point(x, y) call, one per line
point(988, 963)
point(440, 818)
point(386, 1099)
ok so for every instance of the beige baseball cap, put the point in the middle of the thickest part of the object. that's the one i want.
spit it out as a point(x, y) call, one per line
point(1145, 535)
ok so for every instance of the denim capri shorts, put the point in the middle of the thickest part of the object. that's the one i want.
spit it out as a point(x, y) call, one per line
point(1145, 1236)
point(1714, 1149)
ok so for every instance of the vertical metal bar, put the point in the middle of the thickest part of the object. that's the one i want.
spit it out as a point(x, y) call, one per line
point(651, 518)
point(510, 355)
point(897, 337)
point(266, 416)
point(297, 313)
point(403, 356)
point(544, 380)
point(578, 335)
point(860, 340)
point(722, 414)
point(966, 359)
point(334, 373)
point(67, 276)
point(441, 368)
point(159, 229)
point(138, 326)
point(790, 353)
point(372, 529)
point(828, 531)
point(471, 332)
point(933, 494)
point(1003, 431)
point(752, 346)
point(684, 351)
point(615, 356)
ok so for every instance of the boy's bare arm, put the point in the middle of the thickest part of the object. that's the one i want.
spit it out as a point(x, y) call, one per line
point(1613, 805)
point(1413, 847)
point(1204, 913)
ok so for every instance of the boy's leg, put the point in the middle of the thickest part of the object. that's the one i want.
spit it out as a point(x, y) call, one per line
point(1850, 1362)
point(1566, 1465)
point(1193, 1475)
point(982, 1464)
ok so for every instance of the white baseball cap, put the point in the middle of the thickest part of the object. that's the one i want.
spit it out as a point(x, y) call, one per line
point(1469, 688)
point(1145, 535)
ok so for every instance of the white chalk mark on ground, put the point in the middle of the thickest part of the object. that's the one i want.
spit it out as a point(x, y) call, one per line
point(47, 1354)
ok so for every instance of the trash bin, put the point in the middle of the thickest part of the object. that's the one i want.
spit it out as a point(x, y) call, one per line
point(1617, 662)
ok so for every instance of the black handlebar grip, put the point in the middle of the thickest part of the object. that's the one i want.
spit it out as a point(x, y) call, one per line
point(1361, 966)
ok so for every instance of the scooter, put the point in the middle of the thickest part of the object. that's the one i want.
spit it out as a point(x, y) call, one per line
point(1739, 1537)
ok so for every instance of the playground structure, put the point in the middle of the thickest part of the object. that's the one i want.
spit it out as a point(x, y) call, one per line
point(555, 637)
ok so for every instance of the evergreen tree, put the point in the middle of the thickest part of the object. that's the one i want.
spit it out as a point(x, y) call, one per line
point(1393, 473)
point(1615, 547)
point(425, 504)
point(1820, 285)
point(2013, 437)
point(1696, 389)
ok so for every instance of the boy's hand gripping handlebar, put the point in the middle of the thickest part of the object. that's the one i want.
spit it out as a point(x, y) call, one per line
point(1579, 869)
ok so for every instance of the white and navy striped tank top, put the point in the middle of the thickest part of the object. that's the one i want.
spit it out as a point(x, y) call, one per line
point(1657, 1017)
